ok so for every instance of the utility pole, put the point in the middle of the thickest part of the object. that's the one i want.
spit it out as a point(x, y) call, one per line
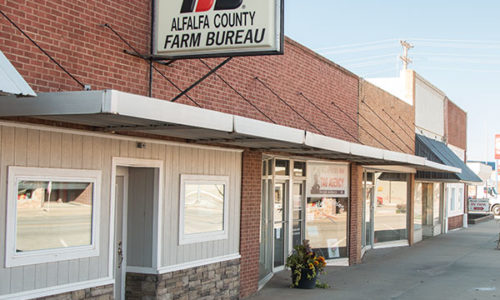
point(406, 60)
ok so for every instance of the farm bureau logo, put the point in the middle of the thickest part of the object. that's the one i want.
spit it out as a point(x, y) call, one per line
point(206, 5)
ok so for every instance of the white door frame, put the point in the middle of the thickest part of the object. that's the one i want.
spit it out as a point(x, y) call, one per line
point(157, 209)
point(121, 172)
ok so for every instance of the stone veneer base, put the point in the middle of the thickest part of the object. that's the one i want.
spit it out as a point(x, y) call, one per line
point(214, 281)
point(98, 293)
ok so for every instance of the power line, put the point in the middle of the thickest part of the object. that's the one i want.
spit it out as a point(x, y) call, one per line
point(356, 44)
point(456, 41)
point(44, 52)
point(362, 49)
point(237, 92)
point(330, 118)
point(367, 58)
point(286, 103)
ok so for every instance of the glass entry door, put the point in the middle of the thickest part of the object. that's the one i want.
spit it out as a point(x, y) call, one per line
point(266, 223)
point(368, 209)
point(280, 222)
point(298, 213)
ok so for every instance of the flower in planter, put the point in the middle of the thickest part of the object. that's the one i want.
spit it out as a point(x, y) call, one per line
point(304, 262)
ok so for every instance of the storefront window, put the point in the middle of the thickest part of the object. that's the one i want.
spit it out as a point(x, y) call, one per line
point(391, 207)
point(417, 212)
point(326, 226)
point(299, 169)
point(282, 167)
point(437, 203)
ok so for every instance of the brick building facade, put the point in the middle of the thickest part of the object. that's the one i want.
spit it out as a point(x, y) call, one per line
point(340, 122)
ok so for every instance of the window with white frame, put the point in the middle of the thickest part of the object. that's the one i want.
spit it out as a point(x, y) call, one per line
point(52, 215)
point(203, 208)
point(455, 196)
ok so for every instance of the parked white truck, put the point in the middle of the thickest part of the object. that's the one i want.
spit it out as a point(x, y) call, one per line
point(484, 200)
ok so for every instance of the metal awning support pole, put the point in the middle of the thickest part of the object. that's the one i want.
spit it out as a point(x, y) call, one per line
point(201, 79)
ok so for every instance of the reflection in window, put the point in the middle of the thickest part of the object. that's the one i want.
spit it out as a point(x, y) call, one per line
point(390, 208)
point(282, 167)
point(417, 217)
point(203, 208)
point(53, 214)
point(326, 226)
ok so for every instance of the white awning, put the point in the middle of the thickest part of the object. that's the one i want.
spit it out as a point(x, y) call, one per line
point(11, 82)
point(114, 111)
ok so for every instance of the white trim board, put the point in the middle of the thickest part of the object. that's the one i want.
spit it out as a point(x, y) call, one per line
point(15, 175)
point(198, 263)
point(158, 206)
point(59, 289)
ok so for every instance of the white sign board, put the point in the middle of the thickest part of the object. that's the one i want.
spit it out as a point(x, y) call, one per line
point(327, 180)
point(479, 206)
point(211, 28)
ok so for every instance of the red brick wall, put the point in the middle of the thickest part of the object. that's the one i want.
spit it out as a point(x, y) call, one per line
point(250, 222)
point(384, 132)
point(356, 214)
point(455, 222)
point(69, 30)
point(456, 124)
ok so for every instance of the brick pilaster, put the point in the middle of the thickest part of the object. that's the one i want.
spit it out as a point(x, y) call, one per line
point(250, 221)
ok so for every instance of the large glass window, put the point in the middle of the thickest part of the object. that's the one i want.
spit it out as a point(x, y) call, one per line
point(417, 212)
point(203, 208)
point(326, 226)
point(390, 220)
point(52, 214)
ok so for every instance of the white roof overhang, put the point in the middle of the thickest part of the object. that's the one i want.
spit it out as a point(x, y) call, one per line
point(115, 111)
point(11, 82)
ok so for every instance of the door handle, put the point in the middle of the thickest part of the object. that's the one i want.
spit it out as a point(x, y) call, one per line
point(120, 254)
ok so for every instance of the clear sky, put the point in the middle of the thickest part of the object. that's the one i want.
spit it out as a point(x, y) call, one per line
point(457, 48)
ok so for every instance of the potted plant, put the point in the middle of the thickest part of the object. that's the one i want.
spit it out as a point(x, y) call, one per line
point(305, 266)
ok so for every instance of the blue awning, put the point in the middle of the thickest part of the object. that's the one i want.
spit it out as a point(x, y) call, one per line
point(11, 82)
point(438, 152)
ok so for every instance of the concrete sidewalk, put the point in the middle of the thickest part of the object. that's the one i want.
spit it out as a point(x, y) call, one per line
point(463, 264)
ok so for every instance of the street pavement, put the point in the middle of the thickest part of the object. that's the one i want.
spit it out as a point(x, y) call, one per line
point(462, 264)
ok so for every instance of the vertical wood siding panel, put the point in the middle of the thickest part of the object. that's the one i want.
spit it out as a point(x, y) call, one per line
point(21, 146)
point(44, 156)
point(105, 207)
point(40, 276)
point(123, 148)
point(66, 150)
point(55, 149)
point(33, 149)
point(237, 195)
point(132, 150)
point(95, 163)
point(168, 231)
point(62, 272)
point(52, 274)
point(74, 268)
point(77, 156)
point(86, 269)
point(16, 280)
point(174, 200)
point(205, 157)
point(7, 158)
